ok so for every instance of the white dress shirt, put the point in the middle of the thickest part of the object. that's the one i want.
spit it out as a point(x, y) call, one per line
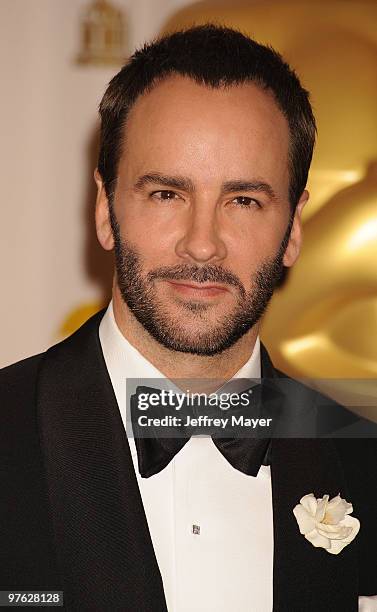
point(211, 525)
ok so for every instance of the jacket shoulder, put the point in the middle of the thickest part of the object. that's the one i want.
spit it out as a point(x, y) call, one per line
point(18, 431)
point(18, 382)
point(21, 371)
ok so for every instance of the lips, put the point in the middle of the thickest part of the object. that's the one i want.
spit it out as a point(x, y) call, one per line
point(197, 289)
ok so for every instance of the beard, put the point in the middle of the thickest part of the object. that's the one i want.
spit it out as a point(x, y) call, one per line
point(207, 337)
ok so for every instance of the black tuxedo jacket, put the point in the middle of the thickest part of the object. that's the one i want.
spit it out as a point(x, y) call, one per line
point(72, 517)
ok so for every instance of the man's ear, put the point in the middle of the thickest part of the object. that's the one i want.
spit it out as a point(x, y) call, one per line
point(103, 226)
point(295, 240)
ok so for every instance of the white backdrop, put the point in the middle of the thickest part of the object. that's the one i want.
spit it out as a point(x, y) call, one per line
point(48, 118)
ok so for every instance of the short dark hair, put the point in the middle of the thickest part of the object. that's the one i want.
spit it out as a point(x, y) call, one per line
point(213, 56)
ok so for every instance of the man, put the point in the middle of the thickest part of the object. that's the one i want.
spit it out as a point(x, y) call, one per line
point(206, 142)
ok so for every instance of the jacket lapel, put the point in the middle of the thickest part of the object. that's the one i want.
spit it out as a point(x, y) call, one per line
point(102, 539)
point(305, 577)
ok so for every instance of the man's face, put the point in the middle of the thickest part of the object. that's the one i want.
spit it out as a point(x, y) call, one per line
point(201, 200)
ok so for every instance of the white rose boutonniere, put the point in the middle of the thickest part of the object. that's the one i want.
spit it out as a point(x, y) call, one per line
point(326, 523)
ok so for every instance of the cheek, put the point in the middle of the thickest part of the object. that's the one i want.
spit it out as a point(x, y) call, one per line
point(251, 251)
point(142, 222)
point(259, 242)
point(154, 245)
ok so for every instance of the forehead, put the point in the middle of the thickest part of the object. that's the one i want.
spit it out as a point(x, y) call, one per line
point(180, 123)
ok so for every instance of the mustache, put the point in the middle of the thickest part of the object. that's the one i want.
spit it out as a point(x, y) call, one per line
point(197, 274)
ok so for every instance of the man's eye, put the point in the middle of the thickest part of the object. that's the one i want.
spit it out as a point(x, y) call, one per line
point(246, 201)
point(164, 195)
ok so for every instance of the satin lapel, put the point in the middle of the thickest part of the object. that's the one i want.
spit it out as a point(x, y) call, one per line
point(102, 538)
point(307, 578)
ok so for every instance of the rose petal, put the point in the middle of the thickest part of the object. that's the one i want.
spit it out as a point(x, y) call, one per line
point(338, 532)
point(305, 521)
point(321, 508)
point(310, 503)
point(318, 540)
point(331, 528)
point(336, 510)
point(324, 498)
point(338, 545)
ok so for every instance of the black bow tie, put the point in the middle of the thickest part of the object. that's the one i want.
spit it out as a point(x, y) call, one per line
point(154, 452)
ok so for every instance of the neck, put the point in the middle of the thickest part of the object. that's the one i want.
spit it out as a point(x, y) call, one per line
point(174, 364)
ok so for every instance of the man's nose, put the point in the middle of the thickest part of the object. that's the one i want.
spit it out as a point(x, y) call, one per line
point(201, 240)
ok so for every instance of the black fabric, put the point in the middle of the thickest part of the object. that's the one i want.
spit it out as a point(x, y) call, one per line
point(27, 551)
point(71, 514)
point(359, 461)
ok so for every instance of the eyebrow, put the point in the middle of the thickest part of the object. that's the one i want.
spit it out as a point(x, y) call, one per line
point(253, 185)
point(176, 182)
point(186, 184)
